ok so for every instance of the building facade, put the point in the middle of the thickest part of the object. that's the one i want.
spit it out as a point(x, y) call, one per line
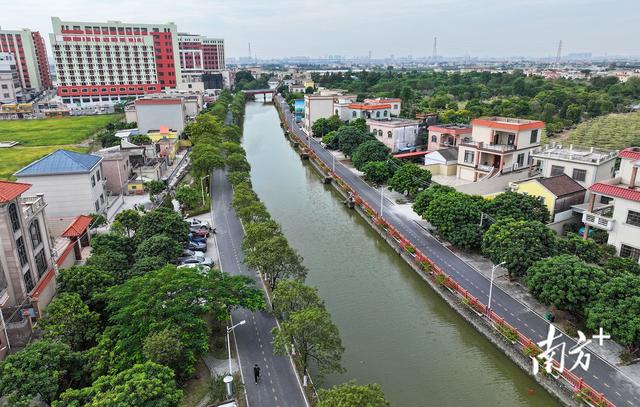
point(10, 86)
point(446, 135)
point(111, 61)
point(316, 107)
point(200, 55)
point(497, 145)
point(397, 134)
point(395, 103)
point(30, 56)
point(152, 114)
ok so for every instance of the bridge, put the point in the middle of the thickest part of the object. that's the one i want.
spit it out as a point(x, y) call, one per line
point(263, 92)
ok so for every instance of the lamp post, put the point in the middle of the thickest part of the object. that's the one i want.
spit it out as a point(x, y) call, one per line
point(493, 269)
point(228, 380)
point(381, 199)
point(202, 187)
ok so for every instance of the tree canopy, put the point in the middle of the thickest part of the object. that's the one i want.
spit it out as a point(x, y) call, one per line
point(371, 150)
point(69, 320)
point(410, 179)
point(352, 395)
point(159, 246)
point(457, 218)
point(163, 221)
point(518, 206)
point(377, 172)
point(350, 137)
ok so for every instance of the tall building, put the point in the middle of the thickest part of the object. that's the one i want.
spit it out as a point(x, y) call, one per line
point(30, 55)
point(10, 86)
point(112, 61)
point(200, 56)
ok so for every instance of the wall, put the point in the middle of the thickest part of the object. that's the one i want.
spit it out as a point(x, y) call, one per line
point(534, 188)
point(151, 117)
point(116, 171)
point(624, 233)
point(316, 108)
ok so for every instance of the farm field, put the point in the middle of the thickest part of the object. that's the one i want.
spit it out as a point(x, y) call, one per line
point(12, 159)
point(614, 131)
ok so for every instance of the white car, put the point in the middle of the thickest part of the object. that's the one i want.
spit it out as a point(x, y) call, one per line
point(197, 259)
point(198, 223)
point(200, 267)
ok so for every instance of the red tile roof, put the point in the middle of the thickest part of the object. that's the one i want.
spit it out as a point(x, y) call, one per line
point(364, 106)
point(501, 123)
point(412, 154)
point(632, 153)
point(10, 190)
point(616, 191)
point(158, 101)
point(78, 226)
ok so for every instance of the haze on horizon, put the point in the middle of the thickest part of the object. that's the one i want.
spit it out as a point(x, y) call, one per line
point(281, 28)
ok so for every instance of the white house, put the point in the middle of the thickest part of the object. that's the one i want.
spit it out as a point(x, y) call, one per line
point(397, 134)
point(395, 103)
point(316, 107)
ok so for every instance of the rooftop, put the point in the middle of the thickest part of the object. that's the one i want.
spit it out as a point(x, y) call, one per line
point(395, 122)
point(60, 162)
point(367, 106)
point(571, 153)
point(561, 185)
point(507, 123)
point(632, 153)
point(155, 101)
point(11, 190)
point(78, 226)
point(616, 191)
point(455, 128)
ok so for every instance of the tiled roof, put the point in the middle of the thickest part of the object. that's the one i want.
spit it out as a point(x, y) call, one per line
point(561, 185)
point(364, 106)
point(158, 101)
point(506, 123)
point(616, 191)
point(78, 226)
point(632, 153)
point(60, 162)
point(10, 190)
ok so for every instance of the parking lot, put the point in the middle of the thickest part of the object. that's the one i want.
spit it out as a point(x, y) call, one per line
point(211, 251)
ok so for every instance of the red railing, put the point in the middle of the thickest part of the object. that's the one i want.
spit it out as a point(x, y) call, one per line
point(433, 271)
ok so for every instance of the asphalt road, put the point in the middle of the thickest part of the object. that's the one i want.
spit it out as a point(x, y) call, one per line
point(601, 375)
point(279, 386)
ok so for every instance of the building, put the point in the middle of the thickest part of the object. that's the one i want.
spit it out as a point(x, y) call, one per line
point(316, 107)
point(397, 134)
point(585, 165)
point(559, 193)
point(10, 86)
point(498, 145)
point(200, 55)
point(446, 135)
point(25, 258)
point(30, 56)
point(116, 168)
point(365, 111)
point(396, 104)
point(298, 109)
point(72, 182)
point(151, 114)
point(443, 161)
point(614, 206)
point(104, 63)
point(166, 141)
point(341, 106)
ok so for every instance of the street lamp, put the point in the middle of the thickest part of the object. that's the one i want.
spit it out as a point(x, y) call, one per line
point(202, 187)
point(493, 269)
point(228, 380)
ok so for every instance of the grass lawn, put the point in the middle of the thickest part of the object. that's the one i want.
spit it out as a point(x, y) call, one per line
point(196, 388)
point(12, 159)
point(51, 132)
point(613, 131)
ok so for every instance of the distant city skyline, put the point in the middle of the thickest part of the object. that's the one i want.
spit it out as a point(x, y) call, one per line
point(287, 28)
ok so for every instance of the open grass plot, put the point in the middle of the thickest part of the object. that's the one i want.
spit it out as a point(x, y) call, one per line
point(12, 159)
point(614, 131)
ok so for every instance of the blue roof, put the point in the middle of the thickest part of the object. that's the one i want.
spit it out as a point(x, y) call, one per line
point(60, 162)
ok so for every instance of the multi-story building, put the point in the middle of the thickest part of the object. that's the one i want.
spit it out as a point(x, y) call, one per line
point(614, 206)
point(397, 134)
point(396, 104)
point(111, 61)
point(152, 114)
point(200, 55)
point(497, 145)
point(446, 135)
point(586, 166)
point(30, 55)
point(10, 86)
point(316, 107)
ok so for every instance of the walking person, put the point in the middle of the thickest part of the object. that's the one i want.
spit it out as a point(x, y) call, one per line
point(256, 372)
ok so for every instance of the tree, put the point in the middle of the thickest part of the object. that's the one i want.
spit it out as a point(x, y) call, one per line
point(145, 385)
point(565, 281)
point(256, 232)
point(140, 139)
point(114, 263)
point(518, 243)
point(360, 124)
point(424, 197)
point(169, 298)
point(372, 150)
point(457, 218)
point(316, 338)
point(377, 172)
point(410, 179)
point(146, 264)
point(231, 133)
point(154, 187)
point(622, 265)
point(518, 206)
point(108, 243)
point(586, 249)
point(85, 281)
point(350, 137)
point(292, 296)
point(330, 140)
point(67, 319)
point(309, 90)
point(229, 147)
point(237, 162)
point(163, 221)
point(204, 159)
point(617, 310)
point(159, 246)
point(276, 259)
point(320, 127)
point(352, 395)
point(129, 219)
point(573, 113)
point(164, 347)
point(42, 370)
point(187, 196)
point(238, 177)
point(205, 129)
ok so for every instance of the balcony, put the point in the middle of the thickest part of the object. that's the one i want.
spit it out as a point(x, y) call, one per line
point(481, 145)
point(31, 205)
point(598, 221)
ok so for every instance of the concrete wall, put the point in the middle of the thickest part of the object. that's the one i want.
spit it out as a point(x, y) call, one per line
point(624, 233)
point(116, 172)
point(316, 108)
point(151, 117)
point(594, 173)
point(395, 138)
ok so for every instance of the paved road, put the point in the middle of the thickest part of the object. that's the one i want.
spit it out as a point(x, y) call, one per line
point(279, 386)
point(602, 376)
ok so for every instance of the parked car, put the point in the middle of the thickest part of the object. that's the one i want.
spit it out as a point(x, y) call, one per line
point(200, 232)
point(198, 223)
point(198, 259)
point(200, 267)
point(187, 254)
point(201, 247)
point(197, 239)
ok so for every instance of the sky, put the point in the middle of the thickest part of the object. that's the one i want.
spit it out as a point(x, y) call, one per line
point(316, 28)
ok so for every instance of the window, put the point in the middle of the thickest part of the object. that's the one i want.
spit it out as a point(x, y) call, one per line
point(389, 134)
point(98, 175)
point(385, 113)
point(97, 205)
point(468, 157)
point(34, 232)
point(534, 136)
point(579, 175)
point(101, 199)
point(28, 281)
point(379, 133)
point(434, 138)
point(337, 112)
point(13, 215)
point(520, 160)
point(557, 170)
point(93, 181)
point(22, 251)
point(395, 107)
point(354, 113)
point(633, 218)
point(628, 251)
point(41, 263)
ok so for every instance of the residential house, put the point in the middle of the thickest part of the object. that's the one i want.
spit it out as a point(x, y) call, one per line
point(446, 135)
point(397, 134)
point(442, 162)
point(614, 206)
point(153, 113)
point(73, 183)
point(116, 168)
point(166, 142)
point(358, 110)
point(316, 107)
point(498, 145)
point(396, 104)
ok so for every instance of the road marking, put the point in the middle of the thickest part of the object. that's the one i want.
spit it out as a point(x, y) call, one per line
point(606, 384)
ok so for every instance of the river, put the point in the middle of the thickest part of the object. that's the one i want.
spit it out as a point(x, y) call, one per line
point(396, 330)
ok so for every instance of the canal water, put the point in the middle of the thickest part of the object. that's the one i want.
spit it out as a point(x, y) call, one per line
point(396, 330)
